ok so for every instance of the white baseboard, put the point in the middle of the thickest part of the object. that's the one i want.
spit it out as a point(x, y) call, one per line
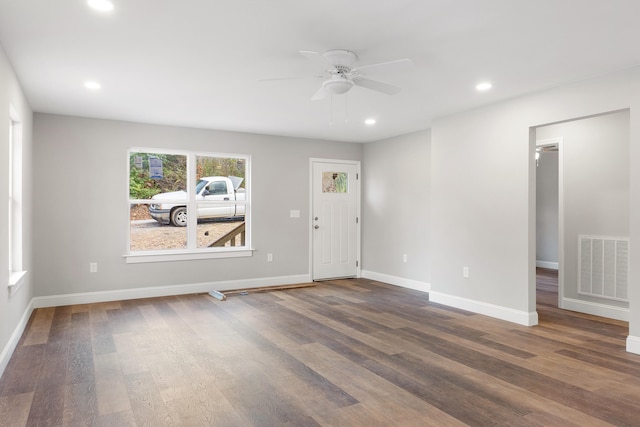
point(397, 281)
point(162, 291)
point(548, 264)
point(596, 309)
point(492, 310)
point(8, 349)
point(633, 344)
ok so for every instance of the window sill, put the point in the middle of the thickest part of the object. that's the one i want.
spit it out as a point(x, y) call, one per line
point(144, 257)
point(16, 280)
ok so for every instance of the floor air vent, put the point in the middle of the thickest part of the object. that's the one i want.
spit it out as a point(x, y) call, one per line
point(603, 268)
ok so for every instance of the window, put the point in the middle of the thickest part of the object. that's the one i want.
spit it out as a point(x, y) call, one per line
point(165, 186)
point(16, 271)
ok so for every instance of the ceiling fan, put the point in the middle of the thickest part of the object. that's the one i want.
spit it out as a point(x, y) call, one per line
point(338, 65)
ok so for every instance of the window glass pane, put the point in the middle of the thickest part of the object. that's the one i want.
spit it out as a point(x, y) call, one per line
point(148, 234)
point(15, 211)
point(334, 182)
point(155, 173)
point(207, 166)
point(221, 201)
point(217, 233)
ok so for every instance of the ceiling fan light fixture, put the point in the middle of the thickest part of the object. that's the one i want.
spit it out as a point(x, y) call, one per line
point(338, 86)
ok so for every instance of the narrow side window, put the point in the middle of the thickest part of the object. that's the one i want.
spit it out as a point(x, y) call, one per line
point(16, 268)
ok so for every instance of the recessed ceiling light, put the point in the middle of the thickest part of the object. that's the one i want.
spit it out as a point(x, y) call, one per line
point(101, 5)
point(92, 85)
point(370, 122)
point(483, 86)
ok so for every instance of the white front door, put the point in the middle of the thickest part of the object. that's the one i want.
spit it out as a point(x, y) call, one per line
point(334, 219)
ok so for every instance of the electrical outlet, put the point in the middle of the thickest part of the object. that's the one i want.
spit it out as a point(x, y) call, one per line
point(404, 258)
point(465, 272)
point(269, 257)
point(93, 267)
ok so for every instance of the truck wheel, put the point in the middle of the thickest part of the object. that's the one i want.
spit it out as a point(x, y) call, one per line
point(179, 217)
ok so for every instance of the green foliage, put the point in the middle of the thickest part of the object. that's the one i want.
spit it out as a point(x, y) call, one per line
point(220, 166)
point(141, 187)
point(341, 182)
point(174, 172)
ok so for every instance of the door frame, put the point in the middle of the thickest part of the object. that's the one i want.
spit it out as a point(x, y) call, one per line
point(356, 163)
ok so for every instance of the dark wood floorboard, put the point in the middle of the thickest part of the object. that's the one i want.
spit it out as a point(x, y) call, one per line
point(343, 353)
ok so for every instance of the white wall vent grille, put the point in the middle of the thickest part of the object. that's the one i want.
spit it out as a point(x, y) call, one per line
point(603, 267)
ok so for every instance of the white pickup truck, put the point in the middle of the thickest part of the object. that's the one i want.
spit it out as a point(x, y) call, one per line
point(168, 208)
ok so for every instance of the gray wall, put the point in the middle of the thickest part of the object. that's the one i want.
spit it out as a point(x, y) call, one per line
point(483, 190)
point(396, 208)
point(13, 307)
point(596, 185)
point(547, 207)
point(480, 203)
point(81, 210)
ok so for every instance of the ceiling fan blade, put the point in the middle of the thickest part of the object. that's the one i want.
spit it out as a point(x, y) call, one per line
point(320, 94)
point(384, 67)
point(376, 85)
point(320, 60)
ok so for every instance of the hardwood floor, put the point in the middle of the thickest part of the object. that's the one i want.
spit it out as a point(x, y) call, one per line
point(348, 353)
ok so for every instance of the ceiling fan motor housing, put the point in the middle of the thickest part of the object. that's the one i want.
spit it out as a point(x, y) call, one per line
point(342, 59)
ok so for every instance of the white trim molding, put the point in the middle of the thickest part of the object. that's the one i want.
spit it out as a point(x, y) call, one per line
point(548, 264)
point(163, 291)
point(499, 312)
point(16, 280)
point(633, 344)
point(8, 349)
point(397, 281)
point(136, 258)
point(596, 309)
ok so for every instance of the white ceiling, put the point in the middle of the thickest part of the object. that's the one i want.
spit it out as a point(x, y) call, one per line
point(199, 63)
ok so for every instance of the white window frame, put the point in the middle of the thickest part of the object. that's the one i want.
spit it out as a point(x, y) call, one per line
point(192, 252)
point(15, 218)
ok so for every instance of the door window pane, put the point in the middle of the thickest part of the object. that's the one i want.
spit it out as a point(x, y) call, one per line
point(335, 182)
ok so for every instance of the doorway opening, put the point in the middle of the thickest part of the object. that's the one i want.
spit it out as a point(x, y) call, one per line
point(590, 199)
point(549, 210)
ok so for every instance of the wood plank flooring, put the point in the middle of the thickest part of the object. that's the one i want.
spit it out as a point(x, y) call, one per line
point(343, 353)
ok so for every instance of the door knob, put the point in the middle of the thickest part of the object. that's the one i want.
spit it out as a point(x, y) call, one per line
point(315, 219)
point(316, 227)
